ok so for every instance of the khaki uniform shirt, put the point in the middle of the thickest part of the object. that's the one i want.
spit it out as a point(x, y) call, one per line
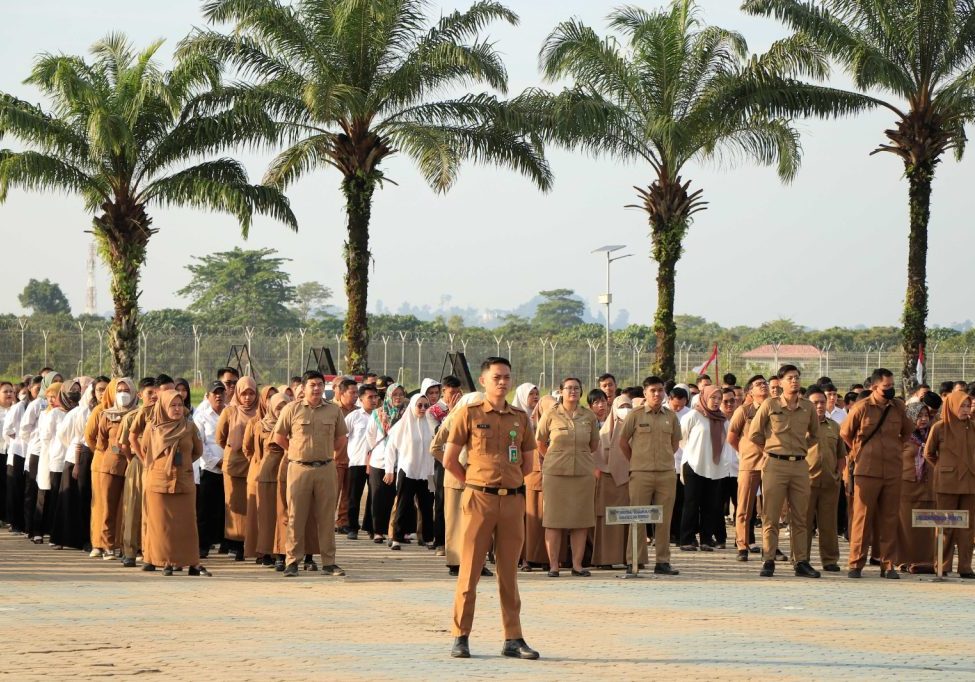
point(823, 455)
point(486, 433)
point(311, 431)
point(954, 472)
point(570, 440)
point(653, 438)
point(784, 431)
point(750, 454)
point(883, 455)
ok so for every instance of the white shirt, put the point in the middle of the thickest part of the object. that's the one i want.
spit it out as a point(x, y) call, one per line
point(837, 414)
point(71, 432)
point(11, 429)
point(679, 455)
point(362, 436)
point(4, 441)
point(206, 424)
point(51, 455)
point(28, 426)
point(696, 429)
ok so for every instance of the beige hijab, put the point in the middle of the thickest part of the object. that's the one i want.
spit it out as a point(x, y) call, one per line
point(238, 417)
point(609, 458)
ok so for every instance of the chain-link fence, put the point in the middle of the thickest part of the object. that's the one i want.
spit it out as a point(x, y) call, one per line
point(275, 355)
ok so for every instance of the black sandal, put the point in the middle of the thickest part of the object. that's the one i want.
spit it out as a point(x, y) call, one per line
point(581, 574)
point(168, 570)
point(553, 574)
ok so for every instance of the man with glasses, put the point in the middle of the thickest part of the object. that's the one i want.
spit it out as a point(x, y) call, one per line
point(783, 427)
point(750, 461)
point(826, 460)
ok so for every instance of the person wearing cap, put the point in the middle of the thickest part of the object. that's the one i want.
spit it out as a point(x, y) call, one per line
point(209, 500)
point(310, 431)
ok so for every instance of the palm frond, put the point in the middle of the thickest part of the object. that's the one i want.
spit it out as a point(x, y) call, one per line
point(34, 171)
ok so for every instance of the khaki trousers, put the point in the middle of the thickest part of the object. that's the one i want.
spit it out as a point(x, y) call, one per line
point(784, 481)
point(875, 500)
point(654, 487)
point(132, 509)
point(311, 492)
point(453, 524)
point(823, 507)
point(958, 536)
point(342, 482)
point(488, 518)
point(748, 483)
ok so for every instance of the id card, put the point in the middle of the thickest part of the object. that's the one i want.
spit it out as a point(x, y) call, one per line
point(513, 454)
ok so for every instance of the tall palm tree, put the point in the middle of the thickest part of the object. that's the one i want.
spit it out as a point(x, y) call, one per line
point(922, 54)
point(354, 81)
point(117, 135)
point(668, 91)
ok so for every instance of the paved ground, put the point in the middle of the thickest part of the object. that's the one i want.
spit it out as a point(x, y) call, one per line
point(64, 615)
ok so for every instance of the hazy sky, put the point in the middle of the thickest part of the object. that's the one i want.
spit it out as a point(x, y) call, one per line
point(830, 249)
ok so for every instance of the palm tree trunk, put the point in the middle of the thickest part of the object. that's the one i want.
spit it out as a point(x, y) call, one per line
point(667, 237)
point(920, 177)
point(358, 192)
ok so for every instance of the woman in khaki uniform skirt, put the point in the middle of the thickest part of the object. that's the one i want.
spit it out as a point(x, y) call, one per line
point(534, 554)
point(230, 436)
point(269, 456)
point(171, 444)
point(254, 437)
point(612, 487)
point(915, 546)
point(568, 434)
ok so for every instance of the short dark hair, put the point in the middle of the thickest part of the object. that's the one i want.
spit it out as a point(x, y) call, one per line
point(963, 384)
point(295, 380)
point(311, 374)
point(6, 383)
point(729, 379)
point(225, 370)
point(678, 392)
point(702, 376)
point(567, 379)
point(946, 387)
point(922, 385)
point(668, 385)
point(595, 395)
point(880, 374)
point(727, 389)
point(370, 375)
point(494, 360)
point(815, 389)
point(164, 379)
point(822, 381)
point(752, 380)
point(828, 387)
point(632, 392)
point(604, 376)
point(856, 388)
point(450, 381)
point(37, 380)
point(850, 398)
point(785, 369)
point(345, 383)
point(102, 379)
point(46, 369)
point(862, 395)
point(652, 381)
point(147, 382)
point(365, 388)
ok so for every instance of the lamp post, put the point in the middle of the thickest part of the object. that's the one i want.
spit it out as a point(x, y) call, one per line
point(607, 298)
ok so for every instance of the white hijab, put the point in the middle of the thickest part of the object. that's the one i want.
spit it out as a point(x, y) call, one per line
point(411, 434)
point(521, 397)
point(426, 385)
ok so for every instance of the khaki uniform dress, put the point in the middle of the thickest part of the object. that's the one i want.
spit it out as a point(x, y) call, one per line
point(107, 483)
point(133, 521)
point(230, 436)
point(751, 457)
point(915, 546)
point(825, 460)
point(612, 490)
point(535, 551)
point(453, 490)
point(493, 507)
point(568, 467)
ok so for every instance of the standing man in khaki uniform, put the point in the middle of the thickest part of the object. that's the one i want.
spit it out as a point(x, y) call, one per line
point(498, 437)
point(875, 431)
point(750, 461)
point(649, 439)
point(826, 460)
point(310, 431)
point(784, 427)
point(346, 397)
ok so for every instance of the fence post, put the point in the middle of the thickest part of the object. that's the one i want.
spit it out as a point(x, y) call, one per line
point(23, 328)
point(249, 335)
point(552, 378)
point(197, 375)
point(419, 357)
point(541, 378)
point(145, 351)
point(964, 362)
point(338, 352)
point(402, 349)
point(497, 341)
point(101, 339)
point(385, 338)
point(301, 358)
point(509, 344)
point(81, 362)
point(287, 369)
point(44, 333)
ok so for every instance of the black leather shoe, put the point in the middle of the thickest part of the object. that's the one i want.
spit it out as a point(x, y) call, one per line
point(128, 562)
point(890, 575)
point(332, 569)
point(688, 548)
point(486, 572)
point(148, 567)
point(309, 564)
point(168, 570)
point(743, 555)
point(768, 569)
point(875, 562)
point(967, 576)
point(832, 568)
point(461, 649)
point(854, 573)
point(517, 648)
point(353, 535)
point(780, 556)
point(279, 565)
point(292, 570)
point(581, 574)
point(453, 570)
point(804, 570)
point(665, 569)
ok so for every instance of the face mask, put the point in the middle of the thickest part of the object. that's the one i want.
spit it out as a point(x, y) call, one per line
point(22, 396)
point(123, 399)
point(622, 412)
point(889, 393)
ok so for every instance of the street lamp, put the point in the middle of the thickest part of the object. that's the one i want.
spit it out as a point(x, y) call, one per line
point(607, 298)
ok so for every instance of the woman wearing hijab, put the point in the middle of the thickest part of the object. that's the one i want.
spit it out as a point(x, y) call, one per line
point(108, 469)
point(16, 457)
point(268, 455)
point(526, 399)
point(70, 526)
point(171, 444)
point(704, 430)
point(68, 398)
point(612, 487)
point(915, 546)
point(535, 553)
point(47, 425)
point(567, 436)
point(230, 436)
point(383, 493)
point(950, 448)
point(410, 464)
point(254, 437)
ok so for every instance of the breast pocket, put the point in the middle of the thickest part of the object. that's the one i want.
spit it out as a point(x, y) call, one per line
point(779, 422)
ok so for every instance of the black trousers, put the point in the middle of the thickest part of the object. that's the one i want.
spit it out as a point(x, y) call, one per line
point(841, 513)
point(83, 465)
point(66, 530)
point(383, 495)
point(210, 509)
point(358, 480)
point(413, 494)
point(439, 523)
point(727, 498)
point(50, 505)
point(701, 507)
point(3, 487)
point(15, 493)
point(30, 497)
point(677, 516)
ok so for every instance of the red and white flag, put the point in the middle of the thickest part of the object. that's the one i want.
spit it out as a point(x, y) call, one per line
point(714, 355)
point(920, 364)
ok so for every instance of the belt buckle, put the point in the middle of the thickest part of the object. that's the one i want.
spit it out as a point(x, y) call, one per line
point(502, 491)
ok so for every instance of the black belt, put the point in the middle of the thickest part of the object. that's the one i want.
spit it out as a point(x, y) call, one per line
point(497, 491)
point(787, 458)
point(318, 463)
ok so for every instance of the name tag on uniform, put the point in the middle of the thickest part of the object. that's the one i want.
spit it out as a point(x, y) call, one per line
point(483, 426)
point(513, 454)
point(643, 424)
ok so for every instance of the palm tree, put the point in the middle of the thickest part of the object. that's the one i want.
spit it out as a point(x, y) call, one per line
point(921, 52)
point(669, 91)
point(117, 135)
point(354, 81)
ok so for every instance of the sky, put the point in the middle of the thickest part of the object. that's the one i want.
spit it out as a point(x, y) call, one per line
point(828, 249)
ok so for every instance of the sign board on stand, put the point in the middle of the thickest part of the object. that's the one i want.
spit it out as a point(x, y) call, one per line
point(939, 519)
point(636, 517)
